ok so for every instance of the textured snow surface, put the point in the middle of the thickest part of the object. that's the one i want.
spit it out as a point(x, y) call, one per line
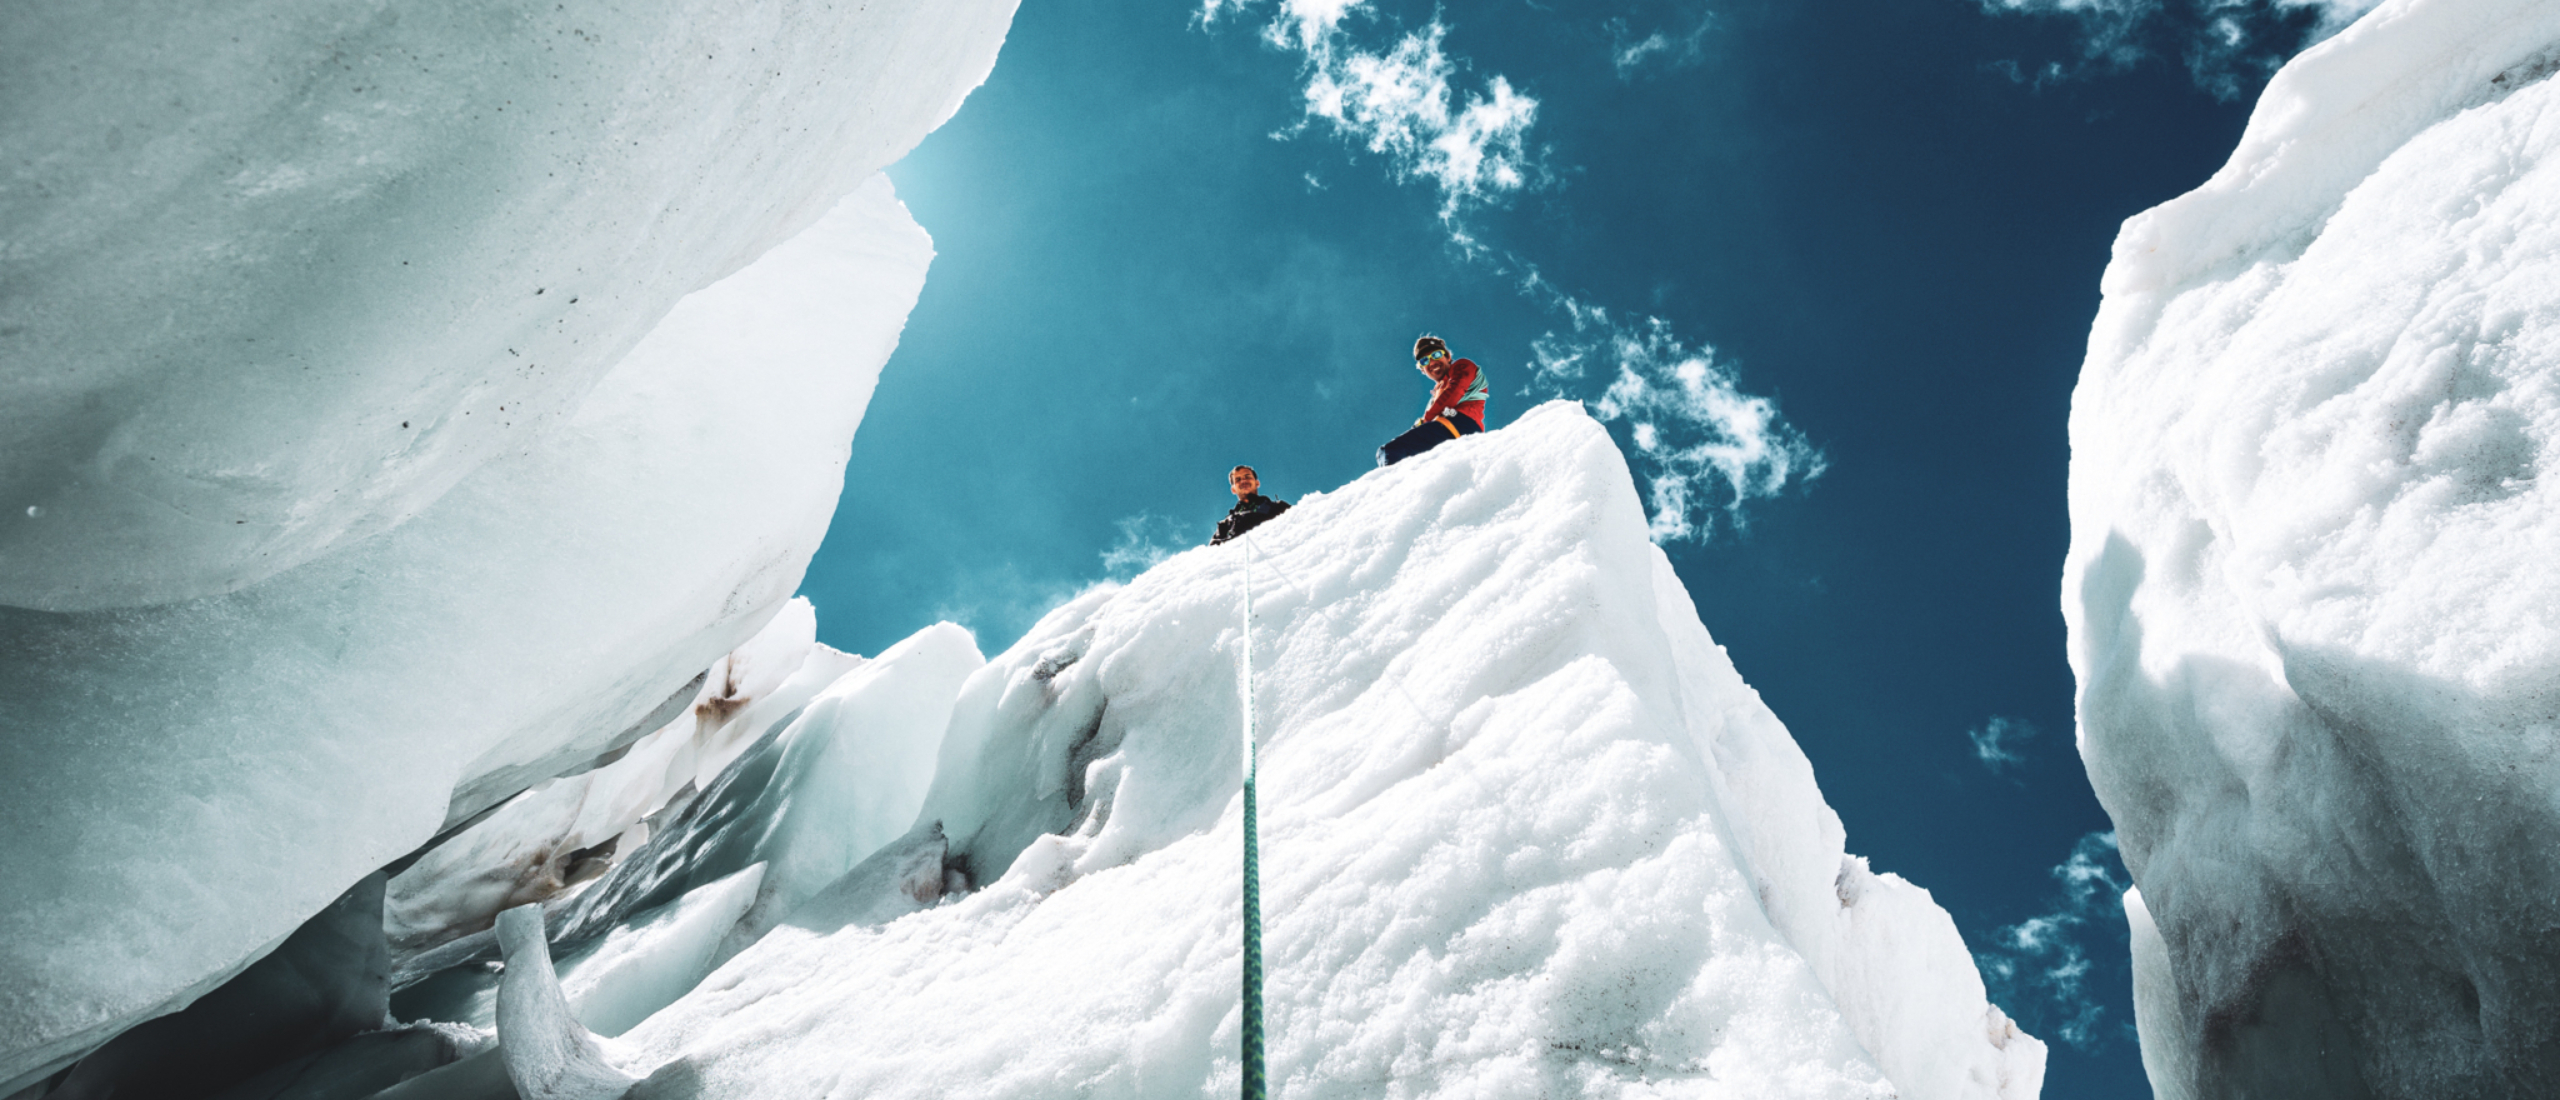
point(181, 785)
point(280, 275)
point(2311, 589)
point(1525, 833)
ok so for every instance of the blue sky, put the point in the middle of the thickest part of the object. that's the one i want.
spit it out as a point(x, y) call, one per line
point(1870, 231)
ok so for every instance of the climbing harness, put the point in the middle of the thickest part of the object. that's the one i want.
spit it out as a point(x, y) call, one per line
point(1254, 1085)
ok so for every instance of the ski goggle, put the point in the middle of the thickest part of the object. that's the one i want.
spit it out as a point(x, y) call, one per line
point(1435, 353)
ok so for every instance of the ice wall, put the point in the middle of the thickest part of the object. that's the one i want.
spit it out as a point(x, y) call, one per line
point(1525, 832)
point(2311, 594)
point(359, 462)
point(565, 830)
point(320, 529)
point(182, 785)
point(700, 839)
point(278, 276)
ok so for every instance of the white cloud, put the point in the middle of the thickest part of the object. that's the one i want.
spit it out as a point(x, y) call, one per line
point(1003, 602)
point(1399, 98)
point(2039, 968)
point(2107, 28)
point(1997, 742)
point(1704, 448)
point(2229, 46)
point(2334, 14)
point(2087, 9)
point(1145, 539)
point(1632, 55)
point(1701, 444)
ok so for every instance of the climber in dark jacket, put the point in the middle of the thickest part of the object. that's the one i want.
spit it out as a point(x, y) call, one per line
point(1252, 508)
point(1457, 402)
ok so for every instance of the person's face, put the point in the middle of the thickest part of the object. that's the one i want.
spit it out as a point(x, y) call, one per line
point(1244, 482)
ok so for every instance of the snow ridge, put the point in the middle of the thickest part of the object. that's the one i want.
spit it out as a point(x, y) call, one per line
point(1525, 831)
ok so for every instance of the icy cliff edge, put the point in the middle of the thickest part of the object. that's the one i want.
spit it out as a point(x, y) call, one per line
point(2310, 588)
point(1524, 828)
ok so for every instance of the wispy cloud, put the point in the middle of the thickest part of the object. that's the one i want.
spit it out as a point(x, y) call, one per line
point(1145, 539)
point(1399, 98)
point(999, 605)
point(2039, 969)
point(2107, 27)
point(1635, 55)
point(1002, 604)
point(2228, 46)
point(1996, 743)
point(2334, 14)
point(1703, 447)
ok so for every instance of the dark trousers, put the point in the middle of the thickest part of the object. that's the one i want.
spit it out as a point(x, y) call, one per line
point(1426, 435)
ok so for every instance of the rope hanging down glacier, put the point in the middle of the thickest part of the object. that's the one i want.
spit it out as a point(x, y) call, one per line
point(1254, 1086)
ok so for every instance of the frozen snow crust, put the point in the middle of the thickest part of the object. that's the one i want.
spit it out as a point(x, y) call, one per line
point(1525, 833)
point(181, 785)
point(2311, 593)
point(279, 276)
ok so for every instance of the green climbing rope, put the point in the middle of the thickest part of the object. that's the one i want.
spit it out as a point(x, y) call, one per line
point(1255, 1087)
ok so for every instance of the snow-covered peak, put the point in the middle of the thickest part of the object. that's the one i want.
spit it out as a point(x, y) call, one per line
point(2325, 122)
point(1523, 828)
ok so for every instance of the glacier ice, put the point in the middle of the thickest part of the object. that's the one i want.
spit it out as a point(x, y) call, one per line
point(324, 983)
point(292, 273)
point(842, 779)
point(1526, 829)
point(644, 966)
point(425, 395)
point(903, 877)
point(612, 981)
point(2310, 590)
point(1529, 828)
point(549, 1054)
point(565, 832)
point(331, 713)
point(360, 1067)
point(818, 760)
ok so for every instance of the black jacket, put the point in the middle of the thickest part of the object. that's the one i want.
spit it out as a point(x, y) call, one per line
point(1248, 514)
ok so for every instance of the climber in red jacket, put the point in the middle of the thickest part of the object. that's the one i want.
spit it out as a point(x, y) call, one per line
point(1457, 402)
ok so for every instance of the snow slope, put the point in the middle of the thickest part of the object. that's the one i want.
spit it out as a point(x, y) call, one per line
point(2310, 591)
point(1525, 833)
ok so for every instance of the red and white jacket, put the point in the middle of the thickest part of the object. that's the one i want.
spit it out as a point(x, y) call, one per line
point(1458, 387)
